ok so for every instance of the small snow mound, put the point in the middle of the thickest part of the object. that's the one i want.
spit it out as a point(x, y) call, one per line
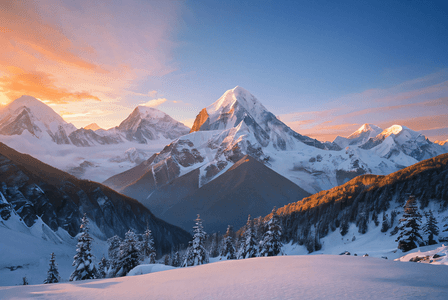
point(149, 268)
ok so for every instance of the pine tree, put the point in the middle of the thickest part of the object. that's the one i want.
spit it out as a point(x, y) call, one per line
point(103, 265)
point(176, 262)
point(53, 273)
point(431, 228)
point(344, 227)
point(271, 245)
point(196, 253)
point(147, 247)
point(228, 249)
point(214, 248)
point(129, 255)
point(249, 245)
point(362, 223)
point(166, 260)
point(113, 251)
point(409, 236)
point(83, 260)
point(385, 224)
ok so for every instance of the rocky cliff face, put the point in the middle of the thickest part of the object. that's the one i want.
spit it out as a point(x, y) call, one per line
point(34, 189)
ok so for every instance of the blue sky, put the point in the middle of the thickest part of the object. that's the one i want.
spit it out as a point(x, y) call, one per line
point(312, 63)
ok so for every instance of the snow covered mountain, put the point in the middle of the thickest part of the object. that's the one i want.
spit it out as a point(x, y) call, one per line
point(143, 125)
point(397, 140)
point(359, 137)
point(30, 126)
point(28, 113)
point(146, 123)
point(236, 125)
point(38, 192)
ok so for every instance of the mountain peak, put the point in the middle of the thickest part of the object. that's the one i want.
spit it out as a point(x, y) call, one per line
point(92, 126)
point(146, 112)
point(394, 129)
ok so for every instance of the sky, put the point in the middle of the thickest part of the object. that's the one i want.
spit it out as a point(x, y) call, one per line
point(323, 67)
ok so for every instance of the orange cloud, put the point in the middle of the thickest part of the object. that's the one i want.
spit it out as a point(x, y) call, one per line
point(420, 123)
point(65, 53)
point(40, 85)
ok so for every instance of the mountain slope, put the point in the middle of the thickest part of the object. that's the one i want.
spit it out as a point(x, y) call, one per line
point(359, 200)
point(34, 189)
point(248, 187)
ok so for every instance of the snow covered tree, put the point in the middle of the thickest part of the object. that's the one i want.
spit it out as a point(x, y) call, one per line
point(249, 245)
point(166, 260)
point(409, 236)
point(147, 247)
point(196, 253)
point(176, 262)
point(103, 265)
point(53, 273)
point(83, 260)
point(431, 228)
point(228, 249)
point(214, 247)
point(129, 255)
point(385, 224)
point(271, 245)
point(113, 251)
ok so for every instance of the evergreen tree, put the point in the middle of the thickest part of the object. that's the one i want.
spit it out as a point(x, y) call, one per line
point(83, 260)
point(147, 247)
point(53, 273)
point(375, 218)
point(362, 223)
point(166, 260)
point(249, 244)
point(196, 253)
point(344, 227)
point(228, 249)
point(214, 248)
point(271, 245)
point(103, 265)
point(409, 236)
point(176, 262)
point(431, 228)
point(113, 251)
point(129, 255)
point(385, 224)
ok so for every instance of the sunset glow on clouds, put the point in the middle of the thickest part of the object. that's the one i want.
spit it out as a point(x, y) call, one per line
point(70, 52)
point(324, 69)
point(421, 108)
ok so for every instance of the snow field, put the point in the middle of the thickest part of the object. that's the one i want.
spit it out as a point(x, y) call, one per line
point(283, 277)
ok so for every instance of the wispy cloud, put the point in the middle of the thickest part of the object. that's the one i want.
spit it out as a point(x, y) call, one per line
point(154, 102)
point(419, 107)
point(64, 51)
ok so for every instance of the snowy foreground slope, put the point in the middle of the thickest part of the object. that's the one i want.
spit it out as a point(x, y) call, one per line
point(287, 277)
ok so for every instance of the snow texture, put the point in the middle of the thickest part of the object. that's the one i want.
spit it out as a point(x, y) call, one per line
point(287, 277)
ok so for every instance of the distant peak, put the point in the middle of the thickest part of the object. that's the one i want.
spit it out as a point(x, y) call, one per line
point(149, 112)
point(371, 128)
point(92, 126)
point(394, 129)
point(367, 127)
